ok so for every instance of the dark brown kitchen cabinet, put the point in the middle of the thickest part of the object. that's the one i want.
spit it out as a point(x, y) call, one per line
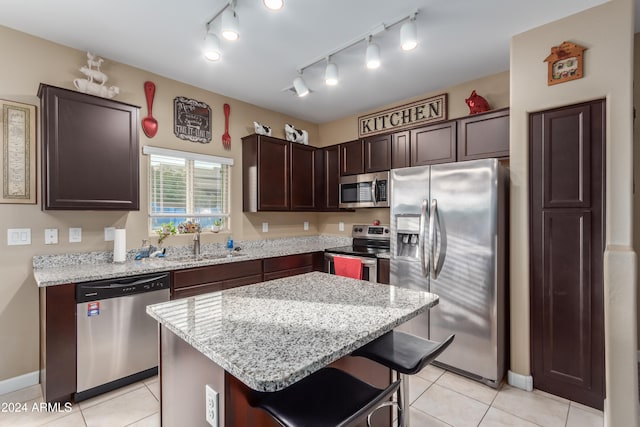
point(213, 278)
point(289, 265)
point(400, 150)
point(377, 153)
point(90, 156)
point(384, 270)
point(265, 174)
point(304, 183)
point(484, 135)
point(352, 158)
point(433, 144)
point(58, 342)
point(331, 177)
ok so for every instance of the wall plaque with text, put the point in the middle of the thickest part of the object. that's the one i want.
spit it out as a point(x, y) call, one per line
point(428, 110)
point(192, 120)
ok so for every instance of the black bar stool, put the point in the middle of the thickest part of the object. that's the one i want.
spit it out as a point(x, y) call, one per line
point(328, 397)
point(407, 355)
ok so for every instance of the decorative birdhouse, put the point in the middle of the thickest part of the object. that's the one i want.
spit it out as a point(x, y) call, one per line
point(565, 63)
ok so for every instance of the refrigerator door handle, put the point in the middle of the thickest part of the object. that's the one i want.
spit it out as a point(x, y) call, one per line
point(436, 263)
point(424, 260)
point(374, 186)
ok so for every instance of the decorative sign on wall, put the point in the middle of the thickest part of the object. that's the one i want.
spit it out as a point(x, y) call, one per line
point(564, 63)
point(428, 110)
point(192, 120)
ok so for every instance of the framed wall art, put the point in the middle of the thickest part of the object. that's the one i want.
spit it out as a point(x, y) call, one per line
point(192, 120)
point(565, 63)
point(18, 141)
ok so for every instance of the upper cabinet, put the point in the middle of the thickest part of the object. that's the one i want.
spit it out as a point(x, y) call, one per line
point(90, 155)
point(433, 144)
point(377, 153)
point(351, 158)
point(484, 135)
point(400, 150)
point(279, 175)
point(331, 177)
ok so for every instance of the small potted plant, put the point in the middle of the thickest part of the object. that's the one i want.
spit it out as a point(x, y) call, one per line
point(217, 225)
point(165, 230)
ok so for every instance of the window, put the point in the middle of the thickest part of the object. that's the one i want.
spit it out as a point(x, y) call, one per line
point(187, 187)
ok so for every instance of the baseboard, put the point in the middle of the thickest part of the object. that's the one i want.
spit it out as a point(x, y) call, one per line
point(524, 382)
point(17, 383)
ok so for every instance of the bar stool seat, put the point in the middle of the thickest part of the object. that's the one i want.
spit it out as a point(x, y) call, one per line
point(328, 397)
point(405, 354)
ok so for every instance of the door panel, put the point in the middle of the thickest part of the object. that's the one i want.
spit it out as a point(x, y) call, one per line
point(567, 247)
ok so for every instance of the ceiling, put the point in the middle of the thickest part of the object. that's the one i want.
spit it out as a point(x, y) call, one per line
point(459, 40)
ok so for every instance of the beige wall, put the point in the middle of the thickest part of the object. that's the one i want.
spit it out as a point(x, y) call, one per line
point(607, 32)
point(636, 159)
point(34, 60)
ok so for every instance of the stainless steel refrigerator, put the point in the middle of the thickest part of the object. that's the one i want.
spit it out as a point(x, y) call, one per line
point(448, 236)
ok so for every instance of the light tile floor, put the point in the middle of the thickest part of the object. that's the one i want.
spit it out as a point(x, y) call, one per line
point(438, 399)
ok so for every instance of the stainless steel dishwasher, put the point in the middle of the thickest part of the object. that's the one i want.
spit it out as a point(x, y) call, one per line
point(117, 341)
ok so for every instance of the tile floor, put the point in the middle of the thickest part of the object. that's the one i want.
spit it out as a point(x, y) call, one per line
point(439, 399)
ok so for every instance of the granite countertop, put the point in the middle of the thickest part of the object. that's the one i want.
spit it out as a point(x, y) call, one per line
point(52, 270)
point(272, 334)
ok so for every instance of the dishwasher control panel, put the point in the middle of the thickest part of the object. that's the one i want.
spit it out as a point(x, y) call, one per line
point(119, 287)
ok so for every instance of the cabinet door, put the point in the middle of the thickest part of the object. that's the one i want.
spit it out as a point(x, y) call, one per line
point(197, 290)
point(433, 144)
point(89, 150)
point(303, 177)
point(483, 136)
point(273, 174)
point(377, 153)
point(384, 270)
point(400, 150)
point(351, 158)
point(331, 177)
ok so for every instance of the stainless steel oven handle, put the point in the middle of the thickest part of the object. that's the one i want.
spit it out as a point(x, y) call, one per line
point(374, 185)
point(365, 260)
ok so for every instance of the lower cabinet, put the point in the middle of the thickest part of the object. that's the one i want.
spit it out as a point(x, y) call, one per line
point(290, 265)
point(384, 271)
point(212, 278)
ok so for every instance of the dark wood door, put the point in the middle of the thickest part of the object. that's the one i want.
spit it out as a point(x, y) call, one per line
point(331, 177)
point(273, 174)
point(433, 144)
point(303, 177)
point(351, 158)
point(482, 136)
point(90, 151)
point(377, 153)
point(400, 150)
point(567, 246)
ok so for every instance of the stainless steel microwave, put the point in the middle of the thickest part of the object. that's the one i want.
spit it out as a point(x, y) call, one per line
point(369, 190)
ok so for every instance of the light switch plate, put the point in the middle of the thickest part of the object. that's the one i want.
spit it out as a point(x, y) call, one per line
point(109, 234)
point(18, 236)
point(75, 235)
point(305, 225)
point(341, 226)
point(51, 236)
point(211, 405)
point(265, 227)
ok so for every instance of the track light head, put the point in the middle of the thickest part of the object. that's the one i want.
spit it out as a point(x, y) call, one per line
point(300, 86)
point(373, 56)
point(212, 51)
point(230, 25)
point(409, 35)
point(331, 74)
point(274, 4)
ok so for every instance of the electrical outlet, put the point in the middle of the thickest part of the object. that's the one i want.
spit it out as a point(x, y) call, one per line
point(75, 235)
point(265, 227)
point(51, 236)
point(211, 405)
point(305, 225)
point(109, 234)
point(341, 226)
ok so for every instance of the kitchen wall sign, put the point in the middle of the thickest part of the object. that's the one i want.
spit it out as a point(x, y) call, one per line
point(192, 120)
point(18, 153)
point(564, 63)
point(433, 109)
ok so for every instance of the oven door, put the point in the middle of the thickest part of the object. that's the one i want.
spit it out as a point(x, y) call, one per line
point(369, 266)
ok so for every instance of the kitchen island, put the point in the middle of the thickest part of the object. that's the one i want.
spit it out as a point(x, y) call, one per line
point(266, 337)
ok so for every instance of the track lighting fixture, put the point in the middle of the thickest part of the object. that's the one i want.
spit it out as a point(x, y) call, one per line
point(409, 34)
point(212, 50)
point(230, 25)
point(300, 86)
point(372, 55)
point(274, 4)
point(331, 73)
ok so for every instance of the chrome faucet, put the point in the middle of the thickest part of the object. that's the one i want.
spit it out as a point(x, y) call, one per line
point(196, 244)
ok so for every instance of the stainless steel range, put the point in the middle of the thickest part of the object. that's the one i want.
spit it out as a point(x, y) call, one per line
point(369, 241)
